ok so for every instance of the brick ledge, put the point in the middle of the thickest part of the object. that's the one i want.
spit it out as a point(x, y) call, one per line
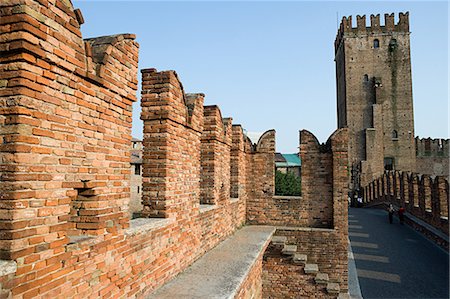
point(221, 271)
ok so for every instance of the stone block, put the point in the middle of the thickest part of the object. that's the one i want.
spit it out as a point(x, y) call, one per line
point(289, 249)
point(333, 288)
point(311, 268)
point(279, 240)
point(299, 258)
point(321, 278)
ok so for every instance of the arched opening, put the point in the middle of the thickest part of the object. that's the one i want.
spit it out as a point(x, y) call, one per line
point(394, 134)
point(376, 43)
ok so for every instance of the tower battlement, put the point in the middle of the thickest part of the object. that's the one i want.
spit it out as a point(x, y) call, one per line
point(346, 26)
point(432, 147)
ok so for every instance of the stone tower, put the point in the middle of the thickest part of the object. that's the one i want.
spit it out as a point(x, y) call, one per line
point(374, 95)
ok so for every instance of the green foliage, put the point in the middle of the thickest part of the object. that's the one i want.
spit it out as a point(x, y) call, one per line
point(287, 184)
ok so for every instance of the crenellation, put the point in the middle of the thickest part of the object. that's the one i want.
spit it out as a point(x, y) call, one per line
point(389, 22)
point(422, 195)
point(346, 27)
point(403, 23)
point(361, 22)
point(375, 23)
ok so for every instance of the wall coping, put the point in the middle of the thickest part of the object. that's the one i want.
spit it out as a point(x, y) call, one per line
point(306, 229)
point(143, 225)
point(7, 267)
point(205, 208)
point(221, 271)
point(287, 197)
point(234, 199)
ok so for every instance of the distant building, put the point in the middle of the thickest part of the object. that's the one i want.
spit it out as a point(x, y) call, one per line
point(288, 163)
point(136, 177)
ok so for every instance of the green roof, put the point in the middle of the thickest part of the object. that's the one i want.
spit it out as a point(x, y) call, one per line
point(292, 160)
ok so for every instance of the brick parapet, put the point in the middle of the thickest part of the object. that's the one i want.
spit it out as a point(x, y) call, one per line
point(172, 134)
point(238, 165)
point(215, 157)
point(423, 196)
point(317, 178)
point(261, 178)
point(432, 147)
point(65, 130)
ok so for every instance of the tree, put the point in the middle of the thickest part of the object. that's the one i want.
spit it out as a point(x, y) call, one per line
point(287, 184)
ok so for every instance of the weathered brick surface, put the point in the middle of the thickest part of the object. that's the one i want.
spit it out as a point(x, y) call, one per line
point(284, 279)
point(65, 115)
point(423, 196)
point(215, 157)
point(374, 93)
point(321, 229)
point(432, 156)
point(261, 179)
point(324, 179)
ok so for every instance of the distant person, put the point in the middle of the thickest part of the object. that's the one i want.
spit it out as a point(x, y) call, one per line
point(360, 201)
point(401, 214)
point(391, 213)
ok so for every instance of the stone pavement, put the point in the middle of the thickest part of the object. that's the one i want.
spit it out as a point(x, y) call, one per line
point(393, 260)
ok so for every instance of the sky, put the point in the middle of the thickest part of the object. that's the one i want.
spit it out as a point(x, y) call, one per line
point(270, 65)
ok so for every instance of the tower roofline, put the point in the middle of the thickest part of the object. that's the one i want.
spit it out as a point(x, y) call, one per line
point(346, 26)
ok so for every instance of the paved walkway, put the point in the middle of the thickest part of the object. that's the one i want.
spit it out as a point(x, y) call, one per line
point(393, 260)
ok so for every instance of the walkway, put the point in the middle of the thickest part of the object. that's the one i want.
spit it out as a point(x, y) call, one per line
point(393, 260)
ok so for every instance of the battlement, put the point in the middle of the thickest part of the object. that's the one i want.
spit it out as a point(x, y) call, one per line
point(432, 147)
point(346, 26)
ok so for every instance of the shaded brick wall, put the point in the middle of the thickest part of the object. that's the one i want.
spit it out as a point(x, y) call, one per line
point(374, 93)
point(284, 279)
point(321, 229)
point(317, 180)
point(423, 196)
point(261, 178)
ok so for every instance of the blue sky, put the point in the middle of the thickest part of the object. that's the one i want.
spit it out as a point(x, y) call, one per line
point(270, 65)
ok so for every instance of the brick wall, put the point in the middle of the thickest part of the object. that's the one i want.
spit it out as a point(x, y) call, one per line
point(374, 93)
point(65, 132)
point(321, 228)
point(252, 286)
point(423, 196)
point(284, 279)
point(65, 115)
point(215, 157)
point(261, 179)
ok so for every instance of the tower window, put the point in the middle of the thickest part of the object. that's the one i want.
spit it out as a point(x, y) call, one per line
point(394, 134)
point(137, 169)
point(376, 43)
point(389, 163)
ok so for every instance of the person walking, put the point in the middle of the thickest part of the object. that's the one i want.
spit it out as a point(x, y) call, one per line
point(401, 215)
point(391, 213)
